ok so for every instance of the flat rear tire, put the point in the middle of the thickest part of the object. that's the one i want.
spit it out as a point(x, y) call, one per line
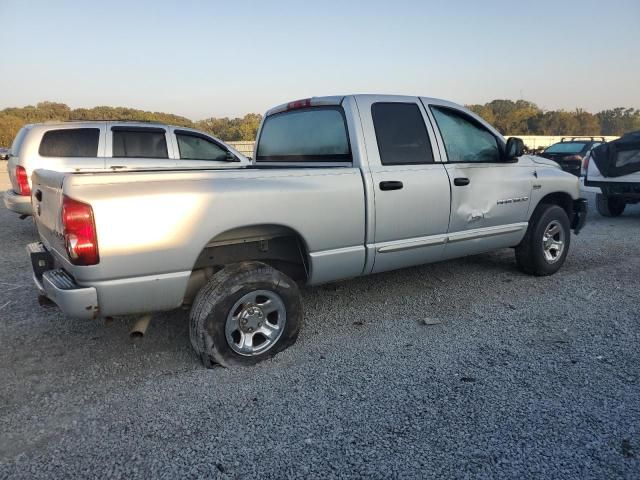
point(246, 313)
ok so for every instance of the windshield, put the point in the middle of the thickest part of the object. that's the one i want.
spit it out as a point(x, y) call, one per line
point(313, 134)
point(565, 147)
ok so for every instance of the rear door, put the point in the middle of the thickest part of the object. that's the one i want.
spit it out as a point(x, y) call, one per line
point(489, 196)
point(410, 184)
point(136, 146)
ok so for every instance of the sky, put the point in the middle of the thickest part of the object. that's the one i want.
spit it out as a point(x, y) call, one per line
point(227, 58)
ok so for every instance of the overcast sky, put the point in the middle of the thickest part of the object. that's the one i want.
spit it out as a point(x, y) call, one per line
point(228, 58)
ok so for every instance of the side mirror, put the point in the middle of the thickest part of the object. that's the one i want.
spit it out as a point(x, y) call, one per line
point(514, 149)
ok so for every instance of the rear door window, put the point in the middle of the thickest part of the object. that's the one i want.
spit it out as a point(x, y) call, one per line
point(316, 134)
point(70, 142)
point(193, 146)
point(401, 134)
point(139, 142)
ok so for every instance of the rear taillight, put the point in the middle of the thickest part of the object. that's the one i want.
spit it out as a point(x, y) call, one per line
point(80, 237)
point(23, 181)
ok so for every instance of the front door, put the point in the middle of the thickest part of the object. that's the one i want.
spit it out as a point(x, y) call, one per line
point(411, 189)
point(489, 195)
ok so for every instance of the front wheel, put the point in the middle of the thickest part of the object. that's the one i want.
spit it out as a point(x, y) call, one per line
point(546, 243)
point(247, 313)
point(609, 206)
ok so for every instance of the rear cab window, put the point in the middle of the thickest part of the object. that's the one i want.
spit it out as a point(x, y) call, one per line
point(70, 142)
point(314, 134)
point(139, 142)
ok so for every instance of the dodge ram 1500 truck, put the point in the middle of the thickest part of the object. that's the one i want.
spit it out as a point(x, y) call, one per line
point(343, 186)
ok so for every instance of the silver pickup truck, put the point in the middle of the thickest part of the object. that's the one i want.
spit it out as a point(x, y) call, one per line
point(342, 186)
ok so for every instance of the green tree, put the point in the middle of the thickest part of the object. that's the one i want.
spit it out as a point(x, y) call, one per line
point(232, 129)
point(508, 116)
point(619, 120)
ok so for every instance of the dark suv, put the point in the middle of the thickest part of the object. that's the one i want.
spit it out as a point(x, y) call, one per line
point(570, 152)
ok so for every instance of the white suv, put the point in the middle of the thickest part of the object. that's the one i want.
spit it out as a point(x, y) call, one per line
point(108, 145)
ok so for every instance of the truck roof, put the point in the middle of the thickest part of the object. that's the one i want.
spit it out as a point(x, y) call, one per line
point(57, 123)
point(337, 100)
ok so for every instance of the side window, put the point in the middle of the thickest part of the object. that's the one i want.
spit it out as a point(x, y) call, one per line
point(401, 133)
point(465, 140)
point(198, 147)
point(139, 142)
point(71, 142)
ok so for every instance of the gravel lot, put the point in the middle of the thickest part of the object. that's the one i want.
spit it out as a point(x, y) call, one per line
point(461, 369)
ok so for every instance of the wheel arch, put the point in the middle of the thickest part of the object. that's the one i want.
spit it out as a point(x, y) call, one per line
point(562, 199)
point(269, 243)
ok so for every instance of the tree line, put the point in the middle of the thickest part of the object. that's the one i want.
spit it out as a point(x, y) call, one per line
point(229, 129)
point(526, 118)
point(519, 117)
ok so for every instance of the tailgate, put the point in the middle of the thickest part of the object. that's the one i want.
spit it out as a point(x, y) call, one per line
point(46, 199)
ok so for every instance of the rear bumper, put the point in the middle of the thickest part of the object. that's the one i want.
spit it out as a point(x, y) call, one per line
point(17, 203)
point(125, 296)
point(59, 287)
point(623, 189)
point(579, 215)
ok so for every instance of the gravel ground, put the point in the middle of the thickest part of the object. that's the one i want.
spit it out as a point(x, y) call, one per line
point(461, 369)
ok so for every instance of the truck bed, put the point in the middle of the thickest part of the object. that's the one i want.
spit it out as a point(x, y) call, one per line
point(155, 224)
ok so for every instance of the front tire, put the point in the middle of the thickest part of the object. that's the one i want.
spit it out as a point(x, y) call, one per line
point(546, 243)
point(609, 206)
point(247, 313)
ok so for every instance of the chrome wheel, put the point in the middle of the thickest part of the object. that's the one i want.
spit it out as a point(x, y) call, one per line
point(255, 322)
point(553, 241)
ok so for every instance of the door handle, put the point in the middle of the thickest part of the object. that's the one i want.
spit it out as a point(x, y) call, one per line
point(38, 195)
point(461, 181)
point(391, 185)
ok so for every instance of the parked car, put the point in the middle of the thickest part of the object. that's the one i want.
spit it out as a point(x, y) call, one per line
point(102, 145)
point(4, 153)
point(569, 153)
point(614, 167)
point(342, 187)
